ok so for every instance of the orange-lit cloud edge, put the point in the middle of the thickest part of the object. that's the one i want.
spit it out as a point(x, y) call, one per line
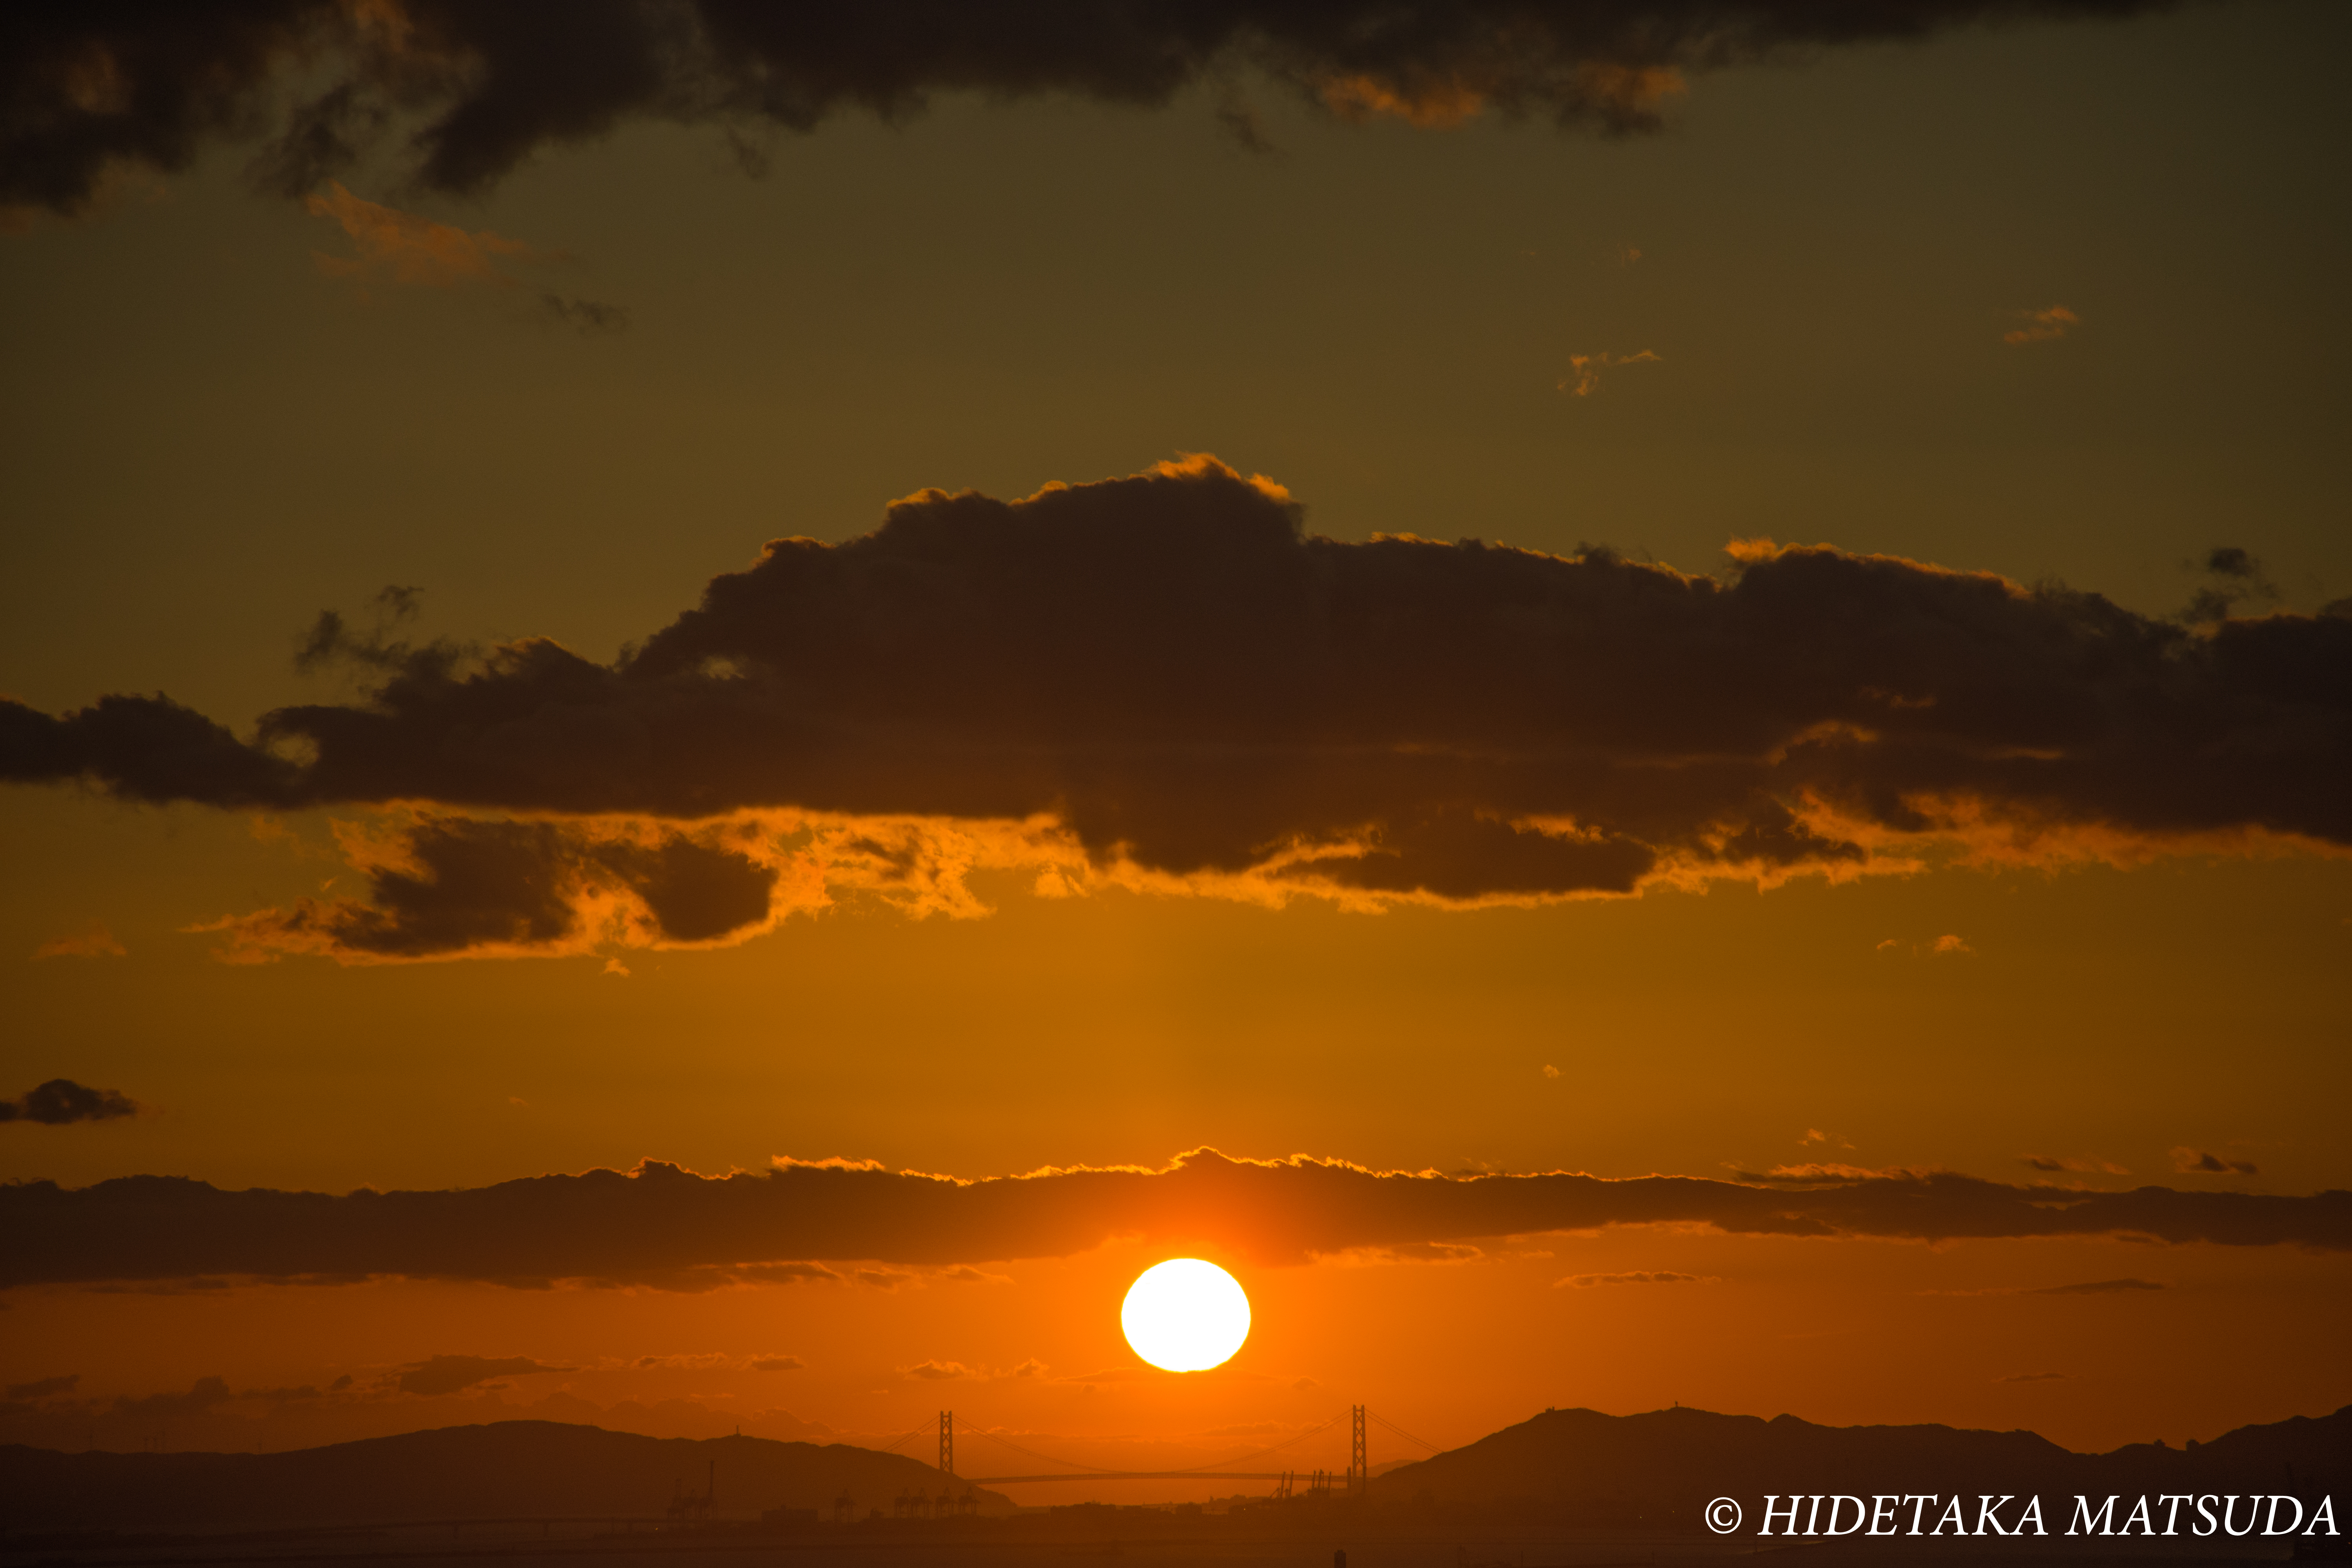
point(1163, 684)
point(920, 868)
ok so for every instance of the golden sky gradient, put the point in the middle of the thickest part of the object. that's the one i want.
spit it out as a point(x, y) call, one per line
point(1786, 626)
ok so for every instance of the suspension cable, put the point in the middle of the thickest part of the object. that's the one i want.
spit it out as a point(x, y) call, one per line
point(1403, 1434)
point(1102, 1470)
point(1029, 1453)
point(1261, 1453)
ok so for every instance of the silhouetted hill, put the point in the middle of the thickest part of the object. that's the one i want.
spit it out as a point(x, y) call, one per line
point(1663, 1466)
point(1656, 1469)
point(510, 1468)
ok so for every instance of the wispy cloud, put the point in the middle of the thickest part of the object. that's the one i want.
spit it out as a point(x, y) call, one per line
point(94, 941)
point(1242, 124)
point(404, 249)
point(1649, 1277)
point(1584, 370)
point(2087, 1288)
point(2057, 1163)
point(45, 1387)
point(2204, 1164)
point(453, 1374)
point(2043, 326)
point(1949, 945)
point(2098, 1288)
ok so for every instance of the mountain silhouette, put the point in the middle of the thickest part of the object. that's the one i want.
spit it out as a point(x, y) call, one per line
point(505, 1470)
point(1657, 1469)
point(1662, 1466)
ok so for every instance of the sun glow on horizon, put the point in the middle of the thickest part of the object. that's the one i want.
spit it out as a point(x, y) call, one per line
point(1185, 1315)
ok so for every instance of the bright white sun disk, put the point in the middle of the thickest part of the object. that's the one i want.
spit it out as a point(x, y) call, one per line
point(1185, 1315)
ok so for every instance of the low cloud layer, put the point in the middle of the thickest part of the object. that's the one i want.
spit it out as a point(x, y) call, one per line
point(2205, 1162)
point(61, 1101)
point(2098, 1288)
point(454, 1374)
point(473, 91)
point(665, 1227)
point(1166, 679)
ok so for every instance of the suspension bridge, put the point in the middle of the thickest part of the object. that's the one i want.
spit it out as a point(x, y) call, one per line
point(1355, 1479)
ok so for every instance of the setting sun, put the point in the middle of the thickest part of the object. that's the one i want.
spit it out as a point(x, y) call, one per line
point(1185, 1315)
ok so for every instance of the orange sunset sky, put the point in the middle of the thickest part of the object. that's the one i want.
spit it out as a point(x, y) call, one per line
point(1638, 703)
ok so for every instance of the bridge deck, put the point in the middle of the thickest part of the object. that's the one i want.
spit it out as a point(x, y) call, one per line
point(1134, 1476)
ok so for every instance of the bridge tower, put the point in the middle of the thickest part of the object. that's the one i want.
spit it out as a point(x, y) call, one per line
point(1359, 1475)
point(947, 1440)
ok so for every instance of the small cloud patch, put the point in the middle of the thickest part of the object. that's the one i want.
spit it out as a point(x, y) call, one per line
point(1584, 370)
point(1949, 945)
point(2042, 326)
point(1638, 1276)
point(968, 1275)
point(1241, 124)
point(2098, 1288)
point(94, 941)
point(937, 1371)
point(404, 249)
point(2198, 1162)
point(453, 1374)
point(2056, 1162)
point(61, 1101)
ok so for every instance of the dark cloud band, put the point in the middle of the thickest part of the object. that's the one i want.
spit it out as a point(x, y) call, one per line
point(477, 89)
point(665, 1227)
point(1187, 682)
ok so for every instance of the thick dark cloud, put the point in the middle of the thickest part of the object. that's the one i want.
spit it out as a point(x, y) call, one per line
point(1171, 668)
point(61, 1100)
point(665, 1227)
point(475, 90)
